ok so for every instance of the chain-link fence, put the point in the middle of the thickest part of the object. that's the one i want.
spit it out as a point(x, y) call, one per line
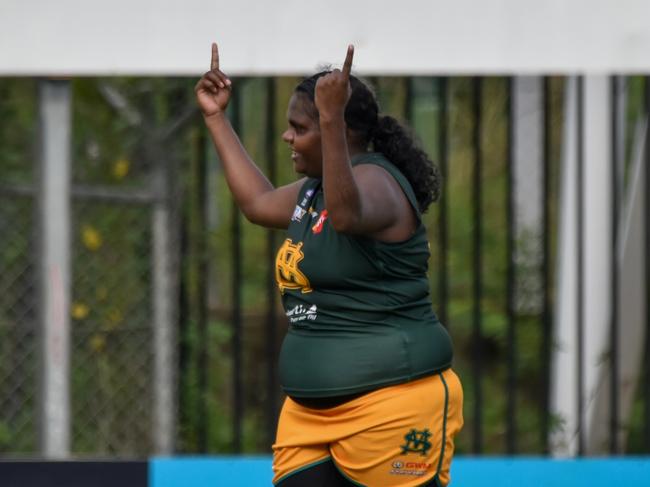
point(18, 268)
point(18, 325)
point(124, 144)
point(111, 328)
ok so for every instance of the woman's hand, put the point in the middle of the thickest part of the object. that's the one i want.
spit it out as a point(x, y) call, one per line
point(213, 89)
point(333, 90)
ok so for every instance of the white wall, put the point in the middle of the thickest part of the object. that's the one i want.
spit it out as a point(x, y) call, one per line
point(86, 37)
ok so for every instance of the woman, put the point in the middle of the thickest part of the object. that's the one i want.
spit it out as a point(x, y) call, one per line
point(372, 399)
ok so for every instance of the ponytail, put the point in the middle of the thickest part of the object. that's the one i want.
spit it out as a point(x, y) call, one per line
point(394, 141)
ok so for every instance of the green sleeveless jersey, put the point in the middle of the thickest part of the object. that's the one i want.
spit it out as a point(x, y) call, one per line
point(359, 310)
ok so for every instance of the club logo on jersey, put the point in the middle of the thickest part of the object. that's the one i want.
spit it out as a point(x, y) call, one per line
point(287, 273)
point(417, 442)
point(318, 226)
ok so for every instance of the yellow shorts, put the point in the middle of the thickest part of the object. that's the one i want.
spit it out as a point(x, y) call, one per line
point(399, 435)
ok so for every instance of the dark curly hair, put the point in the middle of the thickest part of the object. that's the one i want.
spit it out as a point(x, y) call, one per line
point(387, 136)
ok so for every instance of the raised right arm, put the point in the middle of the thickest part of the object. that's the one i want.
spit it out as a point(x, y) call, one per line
point(260, 202)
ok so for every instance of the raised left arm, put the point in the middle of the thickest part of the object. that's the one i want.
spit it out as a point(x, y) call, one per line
point(366, 199)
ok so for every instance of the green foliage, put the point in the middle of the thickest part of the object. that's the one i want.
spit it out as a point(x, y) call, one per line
point(18, 129)
point(5, 437)
point(117, 145)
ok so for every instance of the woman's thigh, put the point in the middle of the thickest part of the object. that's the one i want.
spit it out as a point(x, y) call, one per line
point(327, 475)
point(324, 474)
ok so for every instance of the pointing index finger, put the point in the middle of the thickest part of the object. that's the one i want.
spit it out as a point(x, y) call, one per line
point(214, 64)
point(347, 65)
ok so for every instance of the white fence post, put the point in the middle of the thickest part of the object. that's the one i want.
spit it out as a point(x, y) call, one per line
point(54, 210)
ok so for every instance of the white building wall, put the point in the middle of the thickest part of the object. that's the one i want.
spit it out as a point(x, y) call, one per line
point(166, 37)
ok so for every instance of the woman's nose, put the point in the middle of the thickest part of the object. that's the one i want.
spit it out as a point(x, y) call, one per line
point(287, 136)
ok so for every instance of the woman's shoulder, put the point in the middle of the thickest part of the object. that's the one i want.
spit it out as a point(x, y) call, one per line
point(380, 160)
point(370, 158)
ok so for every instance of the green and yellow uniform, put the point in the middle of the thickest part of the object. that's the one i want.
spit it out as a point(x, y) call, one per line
point(360, 320)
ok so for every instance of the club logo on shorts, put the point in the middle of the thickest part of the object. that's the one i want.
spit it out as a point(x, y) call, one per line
point(417, 442)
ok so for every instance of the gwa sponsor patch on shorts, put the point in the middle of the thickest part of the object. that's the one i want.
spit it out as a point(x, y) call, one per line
point(416, 469)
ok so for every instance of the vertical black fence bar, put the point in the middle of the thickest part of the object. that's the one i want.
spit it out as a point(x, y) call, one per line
point(184, 320)
point(646, 205)
point(477, 264)
point(614, 338)
point(408, 101)
point(192, 295)
point(511, 393)
point(271, 320)
point(580, 207)
point(236, 316)
point(545, 352)
point(202, 291)
point(443, 239)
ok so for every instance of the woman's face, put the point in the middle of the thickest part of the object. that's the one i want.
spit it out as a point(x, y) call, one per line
point(303, 136)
